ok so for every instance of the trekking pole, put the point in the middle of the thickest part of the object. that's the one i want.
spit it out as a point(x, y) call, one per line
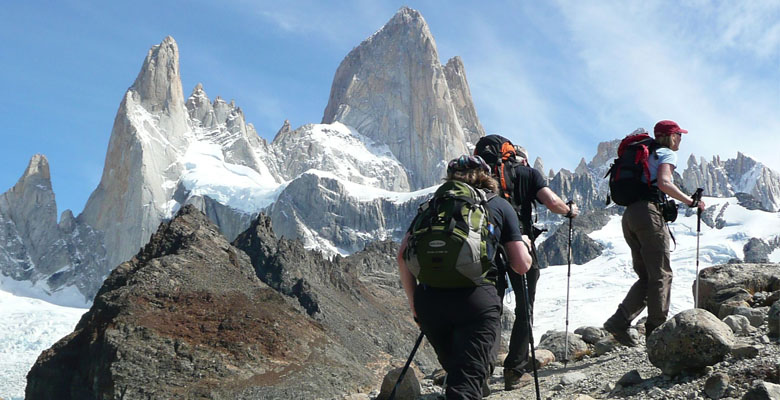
point(406, 367)
point(529, 317)
point(696, 198)
point(568, 278)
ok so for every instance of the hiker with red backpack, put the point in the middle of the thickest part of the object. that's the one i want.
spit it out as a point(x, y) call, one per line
point(522, 186)
point(640, 179)
point(448, 272)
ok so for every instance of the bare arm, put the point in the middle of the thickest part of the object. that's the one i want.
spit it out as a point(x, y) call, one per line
point(519, 256)
point(408, 281)
point(666, 184)
point(554, 203)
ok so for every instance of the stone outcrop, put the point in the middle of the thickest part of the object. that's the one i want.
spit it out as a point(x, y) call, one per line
point(188, 317)
point(688, 342)
point(150, 134)
point(393, 89)
point(723, 284)
point(757, 251)
point(555, 249)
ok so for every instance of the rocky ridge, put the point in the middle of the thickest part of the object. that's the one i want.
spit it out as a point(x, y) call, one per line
point(189, 317)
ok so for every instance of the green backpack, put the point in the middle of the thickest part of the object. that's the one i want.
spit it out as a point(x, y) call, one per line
point(451, 242)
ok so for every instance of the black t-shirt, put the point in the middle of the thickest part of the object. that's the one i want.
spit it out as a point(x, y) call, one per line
point(505, 226)
point(528, 182)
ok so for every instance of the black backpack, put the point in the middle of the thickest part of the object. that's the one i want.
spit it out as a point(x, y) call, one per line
point(499, 153)
point(626, 172)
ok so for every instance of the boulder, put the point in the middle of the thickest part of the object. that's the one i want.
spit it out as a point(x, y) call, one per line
point(630, 378)
point(774, 319)
point(688, 342)
point(739, 324)
point(750, 277)
point(716, 385)
point(543, 358)
point(408, 389)
point(731, 307)
point(605, 345)
point(763, 391)
point(731, 295)
point(745, 351)
point(591, 334)
point(555, 342)
point(571, 378)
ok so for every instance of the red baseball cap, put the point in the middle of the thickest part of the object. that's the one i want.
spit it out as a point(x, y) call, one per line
point(666, 128)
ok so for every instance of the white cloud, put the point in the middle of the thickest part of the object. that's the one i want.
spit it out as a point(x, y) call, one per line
point(637, 58)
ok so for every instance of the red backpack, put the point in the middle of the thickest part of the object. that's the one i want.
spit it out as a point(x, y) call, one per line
point(626, 172)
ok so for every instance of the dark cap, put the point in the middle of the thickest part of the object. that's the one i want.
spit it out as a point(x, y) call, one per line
point(666, 128)
point(466, 162)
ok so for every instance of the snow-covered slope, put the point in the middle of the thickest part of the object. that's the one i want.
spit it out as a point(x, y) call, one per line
point(27, 327)
point(342, 151)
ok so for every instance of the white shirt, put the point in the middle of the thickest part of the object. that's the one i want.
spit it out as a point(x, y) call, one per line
point(665, 156)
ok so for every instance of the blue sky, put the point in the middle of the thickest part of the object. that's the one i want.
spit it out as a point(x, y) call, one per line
point(558, 77)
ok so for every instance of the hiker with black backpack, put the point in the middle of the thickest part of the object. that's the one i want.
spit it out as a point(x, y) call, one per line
point(522, 186)
point(447, 268)
point(641, 178)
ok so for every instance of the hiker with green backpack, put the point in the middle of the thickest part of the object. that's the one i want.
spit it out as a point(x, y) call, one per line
point(447, 267)
point(641, 178)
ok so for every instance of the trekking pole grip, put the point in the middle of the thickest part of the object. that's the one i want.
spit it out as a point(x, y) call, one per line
point(570, 214)
point(696, 197)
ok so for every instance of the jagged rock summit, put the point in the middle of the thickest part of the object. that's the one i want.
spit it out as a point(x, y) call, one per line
point(188, 317)
point(393, 89)
point(739, 175)
point(52, 256)
point(150, 134)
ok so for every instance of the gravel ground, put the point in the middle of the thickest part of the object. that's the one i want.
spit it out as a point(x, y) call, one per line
point(597, 377)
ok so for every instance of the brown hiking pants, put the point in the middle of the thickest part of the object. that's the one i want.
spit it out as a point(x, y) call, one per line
point(646, 234)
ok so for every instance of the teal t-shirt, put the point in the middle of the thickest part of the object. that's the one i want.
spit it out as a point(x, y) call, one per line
point(665, 156)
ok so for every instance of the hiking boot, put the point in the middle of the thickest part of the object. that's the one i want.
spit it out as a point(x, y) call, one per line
point(515, 380)
point(620, 333)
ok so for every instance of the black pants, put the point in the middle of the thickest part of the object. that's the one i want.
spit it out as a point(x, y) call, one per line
point(462, 325)
point(518, 358)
